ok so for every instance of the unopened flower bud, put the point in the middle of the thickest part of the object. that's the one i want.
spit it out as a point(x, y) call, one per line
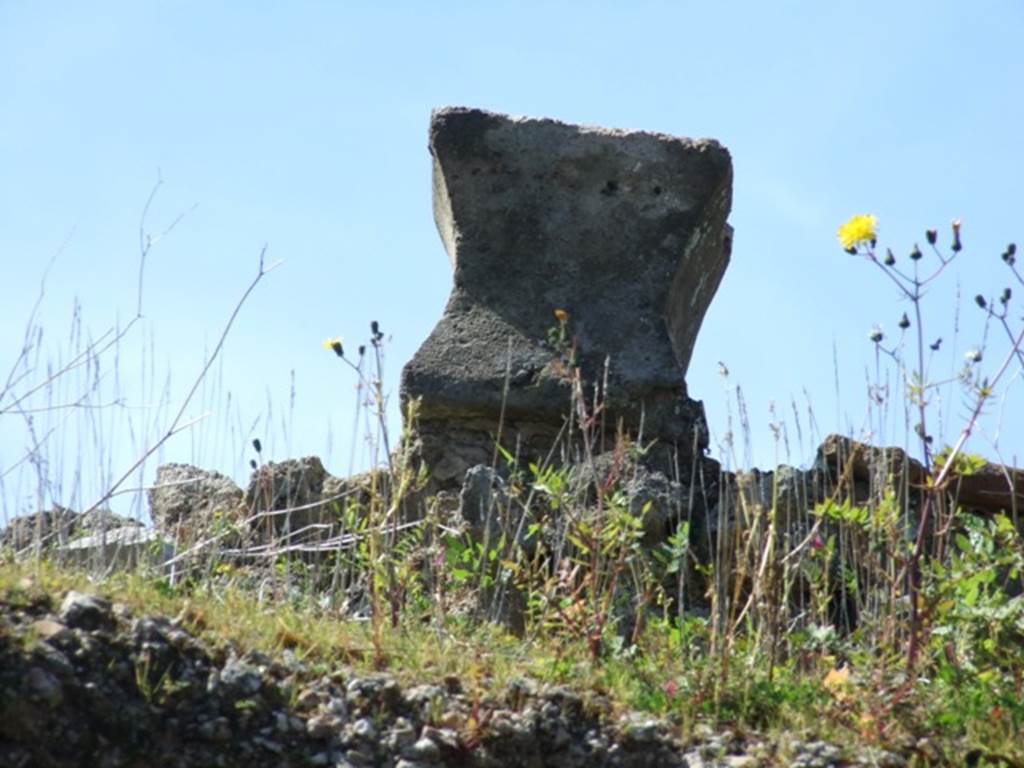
point(974, 356)
point(1005, 297)
point(904, 321)
point(257, 445)
point(932, 236)
point(934, 346)
point(916, 253)
point(980, 301)
point(253, 464)
point(889, 258)
point(876, 335)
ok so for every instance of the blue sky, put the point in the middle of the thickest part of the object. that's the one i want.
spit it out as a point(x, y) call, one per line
point(303, 126)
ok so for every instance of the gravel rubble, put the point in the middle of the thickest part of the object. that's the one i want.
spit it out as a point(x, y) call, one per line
point(90, 684)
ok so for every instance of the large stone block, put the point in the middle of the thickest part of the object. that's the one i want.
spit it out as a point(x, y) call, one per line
point(186, 502)
point(56, 527)
point(625, 231)
point(119, 549)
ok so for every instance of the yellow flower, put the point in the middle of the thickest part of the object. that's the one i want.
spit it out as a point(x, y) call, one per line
point(859, 229)
point(837, 678)
point(838, 683)
point(336, 345)
point(561, 316)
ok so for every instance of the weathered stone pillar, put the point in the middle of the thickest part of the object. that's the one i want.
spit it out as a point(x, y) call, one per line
point(625, 231)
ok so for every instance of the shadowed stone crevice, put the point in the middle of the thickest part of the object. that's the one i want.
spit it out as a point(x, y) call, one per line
point(625, 231)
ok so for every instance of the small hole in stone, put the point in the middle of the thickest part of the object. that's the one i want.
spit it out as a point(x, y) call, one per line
point(610, 188)
point(657, 190)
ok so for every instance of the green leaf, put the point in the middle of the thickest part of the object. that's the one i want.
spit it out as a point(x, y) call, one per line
point(1004, 524)
point(963, 544)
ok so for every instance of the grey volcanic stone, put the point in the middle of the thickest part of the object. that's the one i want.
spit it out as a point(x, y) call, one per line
point(185, 499)
point(56, 527)
point(625, 231)
point(286, 485)
point(88, 612)
point(483, 491)
point(660, 502)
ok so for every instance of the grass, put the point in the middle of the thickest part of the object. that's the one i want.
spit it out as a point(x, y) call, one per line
point(667, 672)
point(881, 613)
point(651, 677)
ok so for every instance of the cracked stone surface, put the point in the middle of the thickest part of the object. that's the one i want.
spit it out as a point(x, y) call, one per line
point(625, 231)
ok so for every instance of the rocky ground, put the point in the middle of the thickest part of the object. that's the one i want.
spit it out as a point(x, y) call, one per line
point(84, 682)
